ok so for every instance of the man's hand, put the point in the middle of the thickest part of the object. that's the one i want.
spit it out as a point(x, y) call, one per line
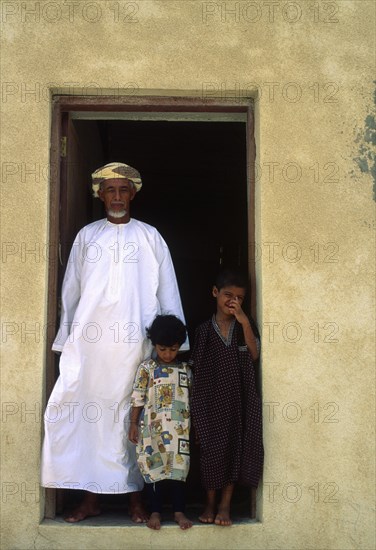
point(133, 433)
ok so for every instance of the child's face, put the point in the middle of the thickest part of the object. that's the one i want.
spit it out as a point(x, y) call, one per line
point(167, 354)
point(227, 297)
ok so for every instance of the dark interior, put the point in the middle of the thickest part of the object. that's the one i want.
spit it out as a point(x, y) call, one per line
point(194, 191)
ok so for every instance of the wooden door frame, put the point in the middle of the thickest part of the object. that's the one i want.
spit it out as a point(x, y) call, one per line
point(61, 105)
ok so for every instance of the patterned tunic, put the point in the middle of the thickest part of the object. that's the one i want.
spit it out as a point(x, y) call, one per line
point(226, 410)
point(163, 448)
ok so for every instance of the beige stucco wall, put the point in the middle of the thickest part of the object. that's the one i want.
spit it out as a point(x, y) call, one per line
point(309, 66)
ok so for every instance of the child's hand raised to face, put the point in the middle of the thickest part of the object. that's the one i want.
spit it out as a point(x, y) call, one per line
point(236, 309)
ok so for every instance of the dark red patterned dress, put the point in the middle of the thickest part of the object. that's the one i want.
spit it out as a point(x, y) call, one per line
point(226, 409)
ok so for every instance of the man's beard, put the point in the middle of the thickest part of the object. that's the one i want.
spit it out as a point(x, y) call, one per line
point(117, 213)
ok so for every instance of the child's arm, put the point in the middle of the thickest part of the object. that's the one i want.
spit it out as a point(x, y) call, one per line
point(249, 336)
point(138, 400)
point(133, 426)
point(250, 339)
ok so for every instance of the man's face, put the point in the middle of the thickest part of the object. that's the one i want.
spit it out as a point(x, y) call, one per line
point(117, 195)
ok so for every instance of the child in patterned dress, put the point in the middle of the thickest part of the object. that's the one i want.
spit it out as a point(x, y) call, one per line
point(160, 420)
point(226, 409)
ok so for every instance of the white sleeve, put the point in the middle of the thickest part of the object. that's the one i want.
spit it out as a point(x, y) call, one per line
point(70, 293)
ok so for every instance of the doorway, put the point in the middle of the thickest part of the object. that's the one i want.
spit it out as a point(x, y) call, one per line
point(196, 192)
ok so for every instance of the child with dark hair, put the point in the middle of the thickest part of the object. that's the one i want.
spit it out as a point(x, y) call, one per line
point(226, 410)
point(160, 400)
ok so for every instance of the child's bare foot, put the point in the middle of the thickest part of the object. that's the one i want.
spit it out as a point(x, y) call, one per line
point(223, 514)
point(223, 517)
point(208, 515)
point(154, 521)
point(182, 520)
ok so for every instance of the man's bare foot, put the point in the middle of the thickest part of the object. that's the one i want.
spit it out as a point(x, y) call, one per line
point(89, 507)
point(138, 514)
point(154, 521)
point(80, 514)
point(223, 517)
point(136, 508)
point(208, 515)
point(182, 520)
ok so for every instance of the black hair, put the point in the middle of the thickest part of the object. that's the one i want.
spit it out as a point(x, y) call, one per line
point(166, 330)
point(230, 276)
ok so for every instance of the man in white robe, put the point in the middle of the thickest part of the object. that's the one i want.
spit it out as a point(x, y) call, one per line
point(119, 277)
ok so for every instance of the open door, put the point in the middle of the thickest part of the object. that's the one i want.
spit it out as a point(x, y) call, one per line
point(193, 160)
point(80, 154)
